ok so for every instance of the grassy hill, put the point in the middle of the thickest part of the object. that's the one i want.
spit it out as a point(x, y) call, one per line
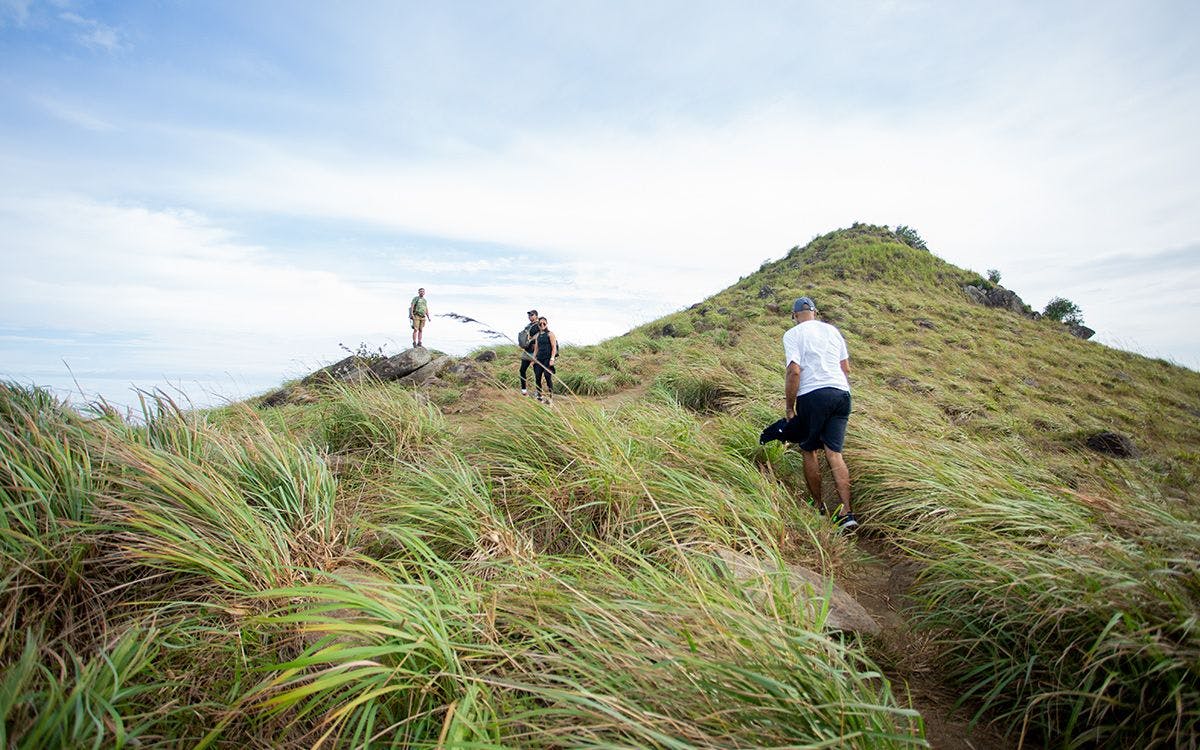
point(460, 567)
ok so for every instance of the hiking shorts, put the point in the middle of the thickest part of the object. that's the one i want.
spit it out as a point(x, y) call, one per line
point(823, 415)
point(418, 322)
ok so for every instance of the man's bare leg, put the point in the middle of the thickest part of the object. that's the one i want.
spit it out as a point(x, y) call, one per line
point(841, 478)
point(812, 478)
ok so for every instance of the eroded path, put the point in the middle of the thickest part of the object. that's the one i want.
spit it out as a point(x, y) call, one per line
point(881, 581)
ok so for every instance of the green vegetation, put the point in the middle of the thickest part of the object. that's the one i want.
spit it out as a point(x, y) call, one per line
point(460, 567)
point(910, 237)
point(1064, 311)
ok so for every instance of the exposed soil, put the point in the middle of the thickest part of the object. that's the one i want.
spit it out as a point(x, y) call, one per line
point(880, 583)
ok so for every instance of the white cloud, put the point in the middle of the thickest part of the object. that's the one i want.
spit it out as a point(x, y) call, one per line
point(73, 114)
point(95, 35)
point(16, 11)
point(126, 267)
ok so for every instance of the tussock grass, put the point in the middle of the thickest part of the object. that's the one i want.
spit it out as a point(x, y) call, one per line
point(1067, 615)
point(647, 477)
point(701, 383)
point(85, 702)
point(566, 654)
point(47, 482)
point(369, 570)
point(395, 420)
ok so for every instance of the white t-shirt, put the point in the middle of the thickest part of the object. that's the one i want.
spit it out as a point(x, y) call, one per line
point(819, 350)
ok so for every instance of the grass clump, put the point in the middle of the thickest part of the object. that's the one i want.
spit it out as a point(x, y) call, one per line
point(393, 420)
point(701, 383)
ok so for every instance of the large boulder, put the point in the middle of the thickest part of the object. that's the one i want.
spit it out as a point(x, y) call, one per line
point(845, 613)
point(394, 368)
point(352, 369)
point(1080, 330)
point(998, 296)
point(428, 372)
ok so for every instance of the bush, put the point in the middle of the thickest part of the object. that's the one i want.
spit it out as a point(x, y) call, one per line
point(910, 237)
point(1064, 310)
point(993, 276)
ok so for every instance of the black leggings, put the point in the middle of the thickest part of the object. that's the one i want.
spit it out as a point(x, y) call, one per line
point(544, 370)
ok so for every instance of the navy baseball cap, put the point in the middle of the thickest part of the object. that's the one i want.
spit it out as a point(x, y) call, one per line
point(804, 303)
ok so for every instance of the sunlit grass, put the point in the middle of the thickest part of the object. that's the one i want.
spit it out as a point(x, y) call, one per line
point(455, 567)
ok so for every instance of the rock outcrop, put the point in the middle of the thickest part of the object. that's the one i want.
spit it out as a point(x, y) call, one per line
point(415, 366)
point(427, 373)
point(998, 296)
point(1080, 330)
point(1007, 299)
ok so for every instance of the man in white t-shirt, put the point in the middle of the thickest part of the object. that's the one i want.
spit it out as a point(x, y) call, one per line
point(817, 391)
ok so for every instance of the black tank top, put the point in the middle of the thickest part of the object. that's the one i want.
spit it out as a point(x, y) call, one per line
point(543, 344)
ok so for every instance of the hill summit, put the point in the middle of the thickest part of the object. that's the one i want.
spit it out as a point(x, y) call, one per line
point(443, 563)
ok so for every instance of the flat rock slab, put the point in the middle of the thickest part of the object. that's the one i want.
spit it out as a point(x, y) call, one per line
point(427, 372)
point(845, 613)
point(415, 366)
point(408, 361)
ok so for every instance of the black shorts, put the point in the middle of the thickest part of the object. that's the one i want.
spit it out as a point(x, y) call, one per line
point(823, 415)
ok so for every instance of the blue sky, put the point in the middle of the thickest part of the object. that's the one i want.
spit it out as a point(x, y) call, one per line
point(210, 197)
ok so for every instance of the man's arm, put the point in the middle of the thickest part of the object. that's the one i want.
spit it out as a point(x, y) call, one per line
point(791, 387)
point(845, 363)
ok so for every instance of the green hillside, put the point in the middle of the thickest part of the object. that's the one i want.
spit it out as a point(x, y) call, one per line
point(457, 566)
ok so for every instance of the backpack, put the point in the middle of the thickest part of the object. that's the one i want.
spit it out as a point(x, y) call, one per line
point(524, 340)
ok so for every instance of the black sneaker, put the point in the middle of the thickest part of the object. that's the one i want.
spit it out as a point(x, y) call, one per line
point(845, 523)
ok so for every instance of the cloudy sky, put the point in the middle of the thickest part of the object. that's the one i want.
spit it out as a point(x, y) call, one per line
point(212, 196)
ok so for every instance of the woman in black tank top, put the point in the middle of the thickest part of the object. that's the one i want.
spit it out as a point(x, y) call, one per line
point(545, 351)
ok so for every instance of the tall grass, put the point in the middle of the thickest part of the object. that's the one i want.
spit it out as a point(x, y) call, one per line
point(47, 485)
point(634, 655)
point(1051, 610)
point(81, 702)
point(565, 653)
point(647, 476)
point(390, 419)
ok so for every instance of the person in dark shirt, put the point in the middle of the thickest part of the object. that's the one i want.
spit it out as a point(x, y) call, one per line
point(531, 331)
point(545, 351)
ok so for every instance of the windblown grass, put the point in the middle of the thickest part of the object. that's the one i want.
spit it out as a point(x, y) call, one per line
point(1066, 615)
point(371, 570)
point(648, 477)
point(47, 484)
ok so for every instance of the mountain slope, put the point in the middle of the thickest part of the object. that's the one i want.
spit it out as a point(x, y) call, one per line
point(459, 566)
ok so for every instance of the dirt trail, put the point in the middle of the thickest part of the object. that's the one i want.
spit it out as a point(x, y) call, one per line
point(880, 583)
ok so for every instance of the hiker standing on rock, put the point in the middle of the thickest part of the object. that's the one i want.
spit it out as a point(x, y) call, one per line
point(545, 351)
point(418, 313)
point(817, 389)
point(526, 339)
